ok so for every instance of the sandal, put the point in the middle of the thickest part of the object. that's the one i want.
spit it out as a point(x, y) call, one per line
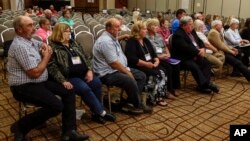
point(162, 102)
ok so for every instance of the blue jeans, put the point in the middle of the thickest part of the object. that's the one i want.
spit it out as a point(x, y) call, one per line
point(91, 93)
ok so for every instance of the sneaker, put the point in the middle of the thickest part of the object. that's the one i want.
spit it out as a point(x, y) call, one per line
point(74, 136)
point(129, 108)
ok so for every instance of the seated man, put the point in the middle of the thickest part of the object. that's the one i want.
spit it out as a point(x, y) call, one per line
point(27, 62)
point(110, 64)
point(187, 47)
point(216, 39)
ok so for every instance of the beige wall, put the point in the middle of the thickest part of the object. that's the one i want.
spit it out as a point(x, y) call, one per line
point(110, 4)
point(141, 4)
point(161, 5)
point(244, 9)
point(150, 5)
point(230, 8)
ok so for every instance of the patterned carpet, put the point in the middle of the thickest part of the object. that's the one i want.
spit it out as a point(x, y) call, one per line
point(193, 116)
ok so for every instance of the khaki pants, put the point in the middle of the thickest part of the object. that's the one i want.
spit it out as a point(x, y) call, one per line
point(217, 60)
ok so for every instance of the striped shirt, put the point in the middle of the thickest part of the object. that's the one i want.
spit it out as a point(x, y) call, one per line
point(24, 55)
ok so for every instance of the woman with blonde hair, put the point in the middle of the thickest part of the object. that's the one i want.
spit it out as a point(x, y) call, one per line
point(172, 71)
point(141, 55)
point(70, 67)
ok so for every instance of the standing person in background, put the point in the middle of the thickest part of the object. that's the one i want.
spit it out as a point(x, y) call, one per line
point(176, 22)
point(27, 67)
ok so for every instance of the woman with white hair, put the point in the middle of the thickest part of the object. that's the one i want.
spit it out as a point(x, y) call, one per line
point(234, 39)
point(215, 57)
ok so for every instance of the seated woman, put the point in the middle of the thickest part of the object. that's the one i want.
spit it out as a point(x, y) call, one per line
point(164, 30)
point(141, 55)
point(215, 57)
point(45, 29)
point(69, 67)
point(67, 19)
point(173, 71)
point(234, 39)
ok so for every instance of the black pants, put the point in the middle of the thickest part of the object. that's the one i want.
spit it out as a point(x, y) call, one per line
point(236, 63)
point(200, 69)
point(173, 74)
point(133, 87)
point(43, 95)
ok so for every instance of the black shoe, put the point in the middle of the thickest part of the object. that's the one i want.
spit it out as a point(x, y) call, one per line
point(110, 117)
point(74, 136)
point(129, 108)
point(204, 90)
point(214, 88)
point(236, 74)
point(99, 119)
point(18, 135)
point(147, 109)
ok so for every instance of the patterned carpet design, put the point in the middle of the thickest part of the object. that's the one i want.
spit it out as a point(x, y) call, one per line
point(192, 117)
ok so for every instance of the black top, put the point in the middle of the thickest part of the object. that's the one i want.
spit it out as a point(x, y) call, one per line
point(135, 51)
point(76, 70)
point(245, 34)
point(183, 47)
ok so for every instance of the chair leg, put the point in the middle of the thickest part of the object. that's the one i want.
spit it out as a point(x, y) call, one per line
point(109, 99)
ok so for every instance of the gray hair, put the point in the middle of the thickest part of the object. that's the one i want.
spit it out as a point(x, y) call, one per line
point(197, 15)
point(47, 11)
point(119, 17)
point(234, 20)
point(184, 20)
point(216, 22)
point(197, 24)
point(18, 21)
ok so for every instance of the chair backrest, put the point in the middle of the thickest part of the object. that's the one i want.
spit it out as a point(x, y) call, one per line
point(86, 40)
point(7, 34)
point(2, 20)
point(97, 28)
point(170, 40)
point(99, 33)
point(2, 28)
point(81, 28)
point(8, 23)
point(7, 37)
point(36, 37)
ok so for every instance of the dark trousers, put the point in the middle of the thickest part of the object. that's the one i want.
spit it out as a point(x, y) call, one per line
point(200, 69)
point(173, 74)
point(133, 87)
point(236, 63)
point(43, 95)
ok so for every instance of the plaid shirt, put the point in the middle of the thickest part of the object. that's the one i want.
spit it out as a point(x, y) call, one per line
point(24, 55)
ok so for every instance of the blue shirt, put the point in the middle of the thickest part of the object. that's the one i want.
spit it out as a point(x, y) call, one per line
point(106, 51)
point(175, 25)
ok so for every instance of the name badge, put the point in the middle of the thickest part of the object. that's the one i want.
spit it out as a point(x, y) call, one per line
point(76, 60)
point(147, 57)
point(159, 50)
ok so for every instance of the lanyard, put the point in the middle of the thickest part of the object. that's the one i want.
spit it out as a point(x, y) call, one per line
point(143, 49)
